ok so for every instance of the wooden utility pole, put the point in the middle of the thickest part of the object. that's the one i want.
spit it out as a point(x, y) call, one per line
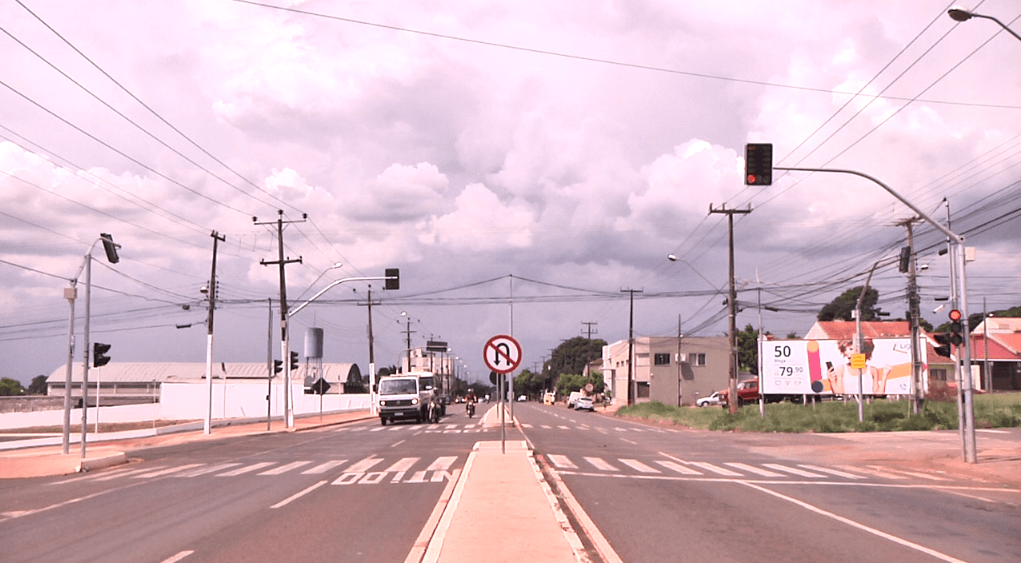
point(632, 394)
point(917, 385)
point(211, 293)
point(732, 397)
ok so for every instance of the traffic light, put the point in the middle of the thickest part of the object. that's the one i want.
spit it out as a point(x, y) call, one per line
point(110, 248)
point(294, 360)
point(758, 164)
point(956, 327)
point(393, 278)
point(99, 357)
point(278, 366)
point(905, 259)
point(944, 344)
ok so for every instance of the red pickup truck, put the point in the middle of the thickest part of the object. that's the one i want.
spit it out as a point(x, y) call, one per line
point(747, 392)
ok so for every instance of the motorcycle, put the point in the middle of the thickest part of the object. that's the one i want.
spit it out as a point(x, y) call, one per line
point(471, 410)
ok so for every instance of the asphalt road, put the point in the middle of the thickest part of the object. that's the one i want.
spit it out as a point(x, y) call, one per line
point(357, 492)
point(662, 494)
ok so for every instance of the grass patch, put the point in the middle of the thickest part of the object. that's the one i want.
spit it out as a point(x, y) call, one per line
point(882, 415)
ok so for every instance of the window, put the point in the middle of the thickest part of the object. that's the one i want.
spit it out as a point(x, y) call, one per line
point(662, 359)
point(697, 359)
point(642, 388)
point(938, 374)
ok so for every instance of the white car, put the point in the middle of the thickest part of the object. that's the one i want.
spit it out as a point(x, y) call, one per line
point(584, 404)
point(711, 400)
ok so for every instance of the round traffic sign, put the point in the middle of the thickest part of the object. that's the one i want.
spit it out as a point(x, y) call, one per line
point(502, 353)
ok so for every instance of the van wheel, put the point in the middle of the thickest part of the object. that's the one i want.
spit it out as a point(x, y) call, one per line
point(382, 420)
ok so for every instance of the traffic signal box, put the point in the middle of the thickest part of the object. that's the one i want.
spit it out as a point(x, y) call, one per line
point(944, 344)
point(758, 164)
point(956, 328)
point(393, 278)
point(294, 360)
point(99, 357)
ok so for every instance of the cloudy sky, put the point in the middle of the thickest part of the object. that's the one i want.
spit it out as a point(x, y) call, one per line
point(522, 163)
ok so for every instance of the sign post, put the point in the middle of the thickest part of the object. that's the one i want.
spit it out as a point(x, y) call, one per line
point(502, 354)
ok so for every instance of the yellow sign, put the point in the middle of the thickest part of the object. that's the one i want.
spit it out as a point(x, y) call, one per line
point(857, 361)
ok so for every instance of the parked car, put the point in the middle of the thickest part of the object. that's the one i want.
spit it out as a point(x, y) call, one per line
point(710, 401)
point(747, 392)
point(584, 404)
point(522, 399)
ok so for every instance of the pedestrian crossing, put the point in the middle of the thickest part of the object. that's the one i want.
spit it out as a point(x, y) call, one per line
point(667, 466)
point(439, 428)
point(615, 430)
point(366, 471)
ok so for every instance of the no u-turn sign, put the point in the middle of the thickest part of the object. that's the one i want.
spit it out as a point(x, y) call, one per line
point(502, 353)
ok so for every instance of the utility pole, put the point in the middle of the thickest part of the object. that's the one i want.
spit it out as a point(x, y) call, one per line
point(407, 338)
point(631, 384)
point(916, 384)
point(372, 359)
point(211, 292)
point(732, 306)
point(680, 369)
point(284, 343)
point(590, 331)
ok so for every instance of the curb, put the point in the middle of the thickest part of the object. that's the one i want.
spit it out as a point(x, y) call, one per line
point(101, 462)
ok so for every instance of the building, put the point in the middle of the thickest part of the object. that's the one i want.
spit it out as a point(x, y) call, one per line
point(996, 343)
point(140, 382)
point(675, 371)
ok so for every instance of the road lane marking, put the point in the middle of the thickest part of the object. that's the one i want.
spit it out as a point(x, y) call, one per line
point(404, 464)
point(166, 471)
point(442, 463)
point(793, 470)
point(911, 473)
point(178, 557)
point(638, 466)
point(285, 468)
point(600, 464)
point(755, 470)
point(246, 469)
point(875, 472)
point(207, 469)
point(324, 467)
point(831, 471)
point(852, 523)
point(364, 465)
point(298, 495)
point(561, 461)
point(674, 466)
point(714, 469)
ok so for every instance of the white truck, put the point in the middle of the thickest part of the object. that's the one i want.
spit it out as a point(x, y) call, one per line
point(407, 397)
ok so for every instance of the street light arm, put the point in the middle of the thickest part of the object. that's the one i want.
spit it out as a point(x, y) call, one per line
point(329, 287)
point(956, 238)
point(961, 15)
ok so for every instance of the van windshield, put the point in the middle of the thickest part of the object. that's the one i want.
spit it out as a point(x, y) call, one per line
point(398, 387)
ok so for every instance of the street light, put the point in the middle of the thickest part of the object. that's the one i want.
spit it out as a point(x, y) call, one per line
point(333, 267)
point(959, 14)
point(674, 258)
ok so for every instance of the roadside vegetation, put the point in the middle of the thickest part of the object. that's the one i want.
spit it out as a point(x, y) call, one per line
point(882, 415)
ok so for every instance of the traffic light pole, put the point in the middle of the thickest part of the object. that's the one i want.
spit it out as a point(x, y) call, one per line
point(968, 437)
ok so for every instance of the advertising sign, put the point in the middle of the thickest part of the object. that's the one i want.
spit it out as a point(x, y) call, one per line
point(824, 367)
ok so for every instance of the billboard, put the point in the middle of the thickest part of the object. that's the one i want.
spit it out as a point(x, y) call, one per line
point(823, 367)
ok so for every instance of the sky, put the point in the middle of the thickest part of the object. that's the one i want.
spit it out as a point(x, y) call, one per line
point(523, 164)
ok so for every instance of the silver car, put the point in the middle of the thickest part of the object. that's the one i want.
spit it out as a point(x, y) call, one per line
point(711, 400)
point(584, 404)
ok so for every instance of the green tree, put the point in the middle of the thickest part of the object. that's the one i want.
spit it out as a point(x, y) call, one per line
point(748, 349)
point(573, 355)
point(842, 307)
point(10, 387)
point(38, 385)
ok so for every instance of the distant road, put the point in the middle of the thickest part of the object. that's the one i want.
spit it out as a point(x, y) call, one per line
point(662, 494)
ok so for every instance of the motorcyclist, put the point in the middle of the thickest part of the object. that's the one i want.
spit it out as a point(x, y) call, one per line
point(470, 401)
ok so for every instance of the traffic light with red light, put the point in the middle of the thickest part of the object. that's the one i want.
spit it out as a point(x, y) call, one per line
point(956, 328)
point(758, 164)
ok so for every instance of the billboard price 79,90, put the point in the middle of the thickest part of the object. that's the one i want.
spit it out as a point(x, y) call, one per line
point(823, 367)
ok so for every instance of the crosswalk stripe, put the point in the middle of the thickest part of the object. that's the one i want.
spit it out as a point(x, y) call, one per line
point(324, 467)
point(561, 461)
point(562, 427)
point(403, 464)
point(128, 473)
point(546, 427)
point(600, 464)
point(638, 466)
point(911, 473)
point(874, 472)
point(285, 468)
point(208, 469)
point(166, 471)
point(831, 471)
point(715, 469)
point(755, 470)
point(793, 470)
point(246, 469)
point(674, 466)
point(442, 463)
point(364, 465)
